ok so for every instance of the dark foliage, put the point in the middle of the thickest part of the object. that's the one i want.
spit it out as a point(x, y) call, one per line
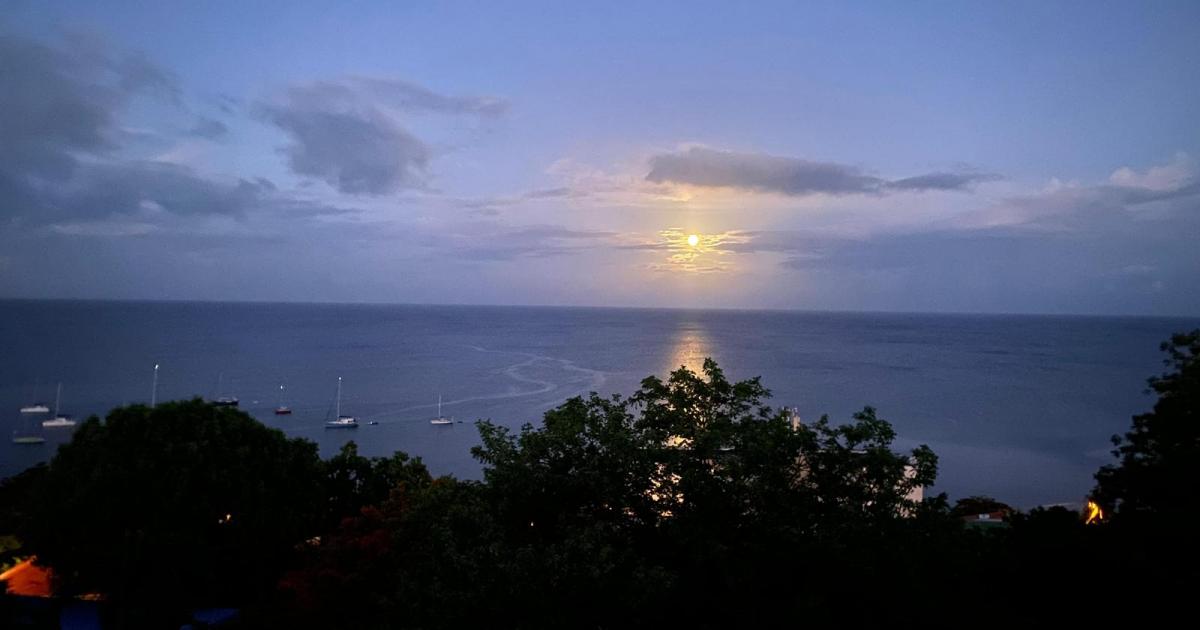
point(688, 504)
point(977, 504)
point(173, 506)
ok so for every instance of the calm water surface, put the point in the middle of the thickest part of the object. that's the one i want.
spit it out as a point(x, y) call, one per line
point(1016, 407)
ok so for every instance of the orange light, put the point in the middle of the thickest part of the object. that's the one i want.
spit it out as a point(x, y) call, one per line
point(1095, 514)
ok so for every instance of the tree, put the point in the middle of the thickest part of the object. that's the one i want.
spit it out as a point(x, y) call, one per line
point(354, 482)
point(691, 489)
point(1158, 476)
point(173, 506)
point(1153, 492)
point(977, 504)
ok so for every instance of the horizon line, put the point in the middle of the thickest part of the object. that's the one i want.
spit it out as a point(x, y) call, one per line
point(726, 309)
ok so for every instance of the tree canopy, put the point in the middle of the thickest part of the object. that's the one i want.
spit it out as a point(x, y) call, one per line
point(690, 502)
point(183, 502)
point(690, 489)
point(1157, 477)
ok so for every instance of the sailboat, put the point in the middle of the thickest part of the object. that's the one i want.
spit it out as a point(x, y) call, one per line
point(282, 409)
point(26, 436)
point(440, 419)
point(58, 420)
point(27, 439)
point(37, 407)
point(340, 421)
point(224, 401)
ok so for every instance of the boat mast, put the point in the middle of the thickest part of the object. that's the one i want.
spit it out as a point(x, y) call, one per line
point(439, 405)
point(57, 397)
point(337, 415)
point(154, 387)
point(281, 395)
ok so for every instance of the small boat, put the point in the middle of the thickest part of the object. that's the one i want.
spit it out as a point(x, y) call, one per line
point(223, 401)
point(36, 408)
point(58, 420)
point(340, 421)
point(282, 409)
point(27, 439)
point(440, 419)
point(372, 422)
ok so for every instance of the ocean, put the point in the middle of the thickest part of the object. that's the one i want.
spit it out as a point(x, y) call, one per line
point(1016, 407)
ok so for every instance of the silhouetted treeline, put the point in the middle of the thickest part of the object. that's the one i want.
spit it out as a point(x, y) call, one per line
point(690, 503)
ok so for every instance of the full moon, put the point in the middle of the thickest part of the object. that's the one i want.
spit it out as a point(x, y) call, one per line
point(693, 240)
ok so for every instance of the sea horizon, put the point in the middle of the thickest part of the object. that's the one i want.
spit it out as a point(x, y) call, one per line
point(618, 307)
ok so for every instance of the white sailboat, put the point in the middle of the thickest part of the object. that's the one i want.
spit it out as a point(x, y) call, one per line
point(440, 419)
point(27, 438)
point(340, 421)
point(282, 409)
point(37, 407)
point(58, 420)
point(224, 401)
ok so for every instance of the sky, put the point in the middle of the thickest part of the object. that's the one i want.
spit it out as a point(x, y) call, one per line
point(1016, 157)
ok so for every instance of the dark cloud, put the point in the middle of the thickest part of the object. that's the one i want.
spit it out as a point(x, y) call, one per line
point(358, 153)
point(60, 137)
point(138, 73)
point(758, 172)
point(50, 109)
point(347, 132)
point(699, 166)
point(209, 128)
point(132, 187)
point(58, 116)
point(941, 181)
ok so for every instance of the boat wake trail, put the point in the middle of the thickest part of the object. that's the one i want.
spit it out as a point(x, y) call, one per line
point(579, 380)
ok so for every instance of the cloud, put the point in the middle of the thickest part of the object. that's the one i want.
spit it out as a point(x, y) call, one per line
point(59, 109)
point(348, 132)
point(124, 187)
point(209, 128)
point(941, 181)
point(355, 152)
point(62, 146)
point(51, 109)
point(1175, 175)
point(411, 97)
point(758, 172)
point(1157, 193)
point(139, 74)
point(486, 241)
point(762, 173)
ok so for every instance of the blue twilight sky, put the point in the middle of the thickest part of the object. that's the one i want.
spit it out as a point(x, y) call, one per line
point(923, 156)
